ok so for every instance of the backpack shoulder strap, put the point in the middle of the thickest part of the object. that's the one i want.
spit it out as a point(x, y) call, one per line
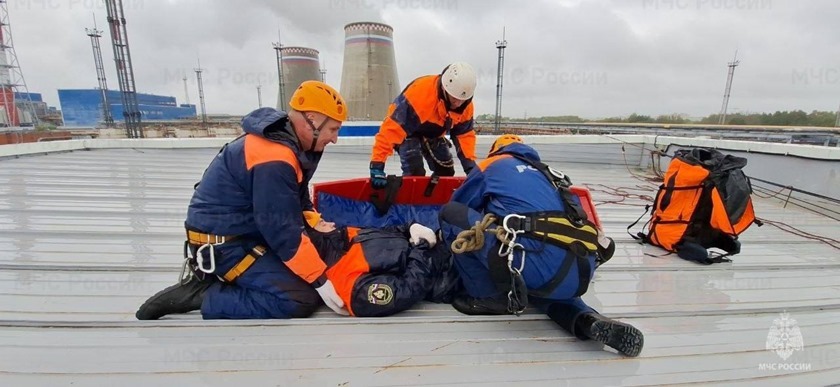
point(561, 183)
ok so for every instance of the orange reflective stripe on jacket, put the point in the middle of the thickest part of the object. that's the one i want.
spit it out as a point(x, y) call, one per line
point(467, 142)
point(348, 269)
point(389, 135)
point(420, 111)
point(259, 150)
point(306, 262)
point(490, 160)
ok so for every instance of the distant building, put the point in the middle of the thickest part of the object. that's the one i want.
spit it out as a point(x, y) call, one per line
point(45, 113)
point(83, 107)
point(369, 81)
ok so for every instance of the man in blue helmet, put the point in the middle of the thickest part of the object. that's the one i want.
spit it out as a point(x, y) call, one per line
point(551, 249)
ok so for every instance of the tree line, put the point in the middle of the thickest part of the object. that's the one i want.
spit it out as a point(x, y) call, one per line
point(782, 118)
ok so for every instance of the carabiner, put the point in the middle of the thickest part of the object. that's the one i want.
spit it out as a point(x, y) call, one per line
point(199, 259)
point(508, 229)
point(521, 262)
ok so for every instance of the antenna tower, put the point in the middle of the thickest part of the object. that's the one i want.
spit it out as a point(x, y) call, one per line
point(735, 62)
point(125, 70)
point(94, 34)
point(11, 78)
point(500, 45)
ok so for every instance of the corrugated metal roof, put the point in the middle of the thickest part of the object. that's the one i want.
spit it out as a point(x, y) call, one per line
point(87, 236)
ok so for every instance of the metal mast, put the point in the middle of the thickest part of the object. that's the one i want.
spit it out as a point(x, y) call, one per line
point(735, 62)
point(11, 76)
point(198, 71)
point(94, 35)
point(500, 45)
point(259, 96)
point(125, 70)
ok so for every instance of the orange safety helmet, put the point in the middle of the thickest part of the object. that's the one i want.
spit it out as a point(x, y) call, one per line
point(314, 96)
point(504, 140)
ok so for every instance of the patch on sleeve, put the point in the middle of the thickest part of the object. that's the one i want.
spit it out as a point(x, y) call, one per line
point(380, 294)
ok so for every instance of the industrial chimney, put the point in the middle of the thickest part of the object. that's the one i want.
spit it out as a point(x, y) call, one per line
point(369, 77)
point(300, 64)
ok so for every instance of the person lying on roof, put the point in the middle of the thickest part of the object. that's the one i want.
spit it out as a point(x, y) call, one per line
point(551, 257)
point(380, 272)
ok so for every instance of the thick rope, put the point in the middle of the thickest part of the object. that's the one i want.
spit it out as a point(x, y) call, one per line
point(445, 164)
point(473, 239)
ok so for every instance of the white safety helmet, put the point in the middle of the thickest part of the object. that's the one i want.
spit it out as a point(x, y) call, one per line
point(458, 79)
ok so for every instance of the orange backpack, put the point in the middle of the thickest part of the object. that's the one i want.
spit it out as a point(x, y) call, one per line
point(704, 202)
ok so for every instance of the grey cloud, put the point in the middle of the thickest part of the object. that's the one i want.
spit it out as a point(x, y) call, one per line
point(593, 58)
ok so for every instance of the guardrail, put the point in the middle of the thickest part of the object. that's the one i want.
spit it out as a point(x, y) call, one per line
point(824, 136)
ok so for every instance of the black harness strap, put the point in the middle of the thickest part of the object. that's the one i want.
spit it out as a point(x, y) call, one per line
point(640, 236)
point(556, 228)
point(391, 189)
point(562, 183)
point(583, 275)
point(430, 187)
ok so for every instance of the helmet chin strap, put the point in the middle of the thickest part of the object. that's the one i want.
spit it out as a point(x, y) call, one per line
point(315, 131)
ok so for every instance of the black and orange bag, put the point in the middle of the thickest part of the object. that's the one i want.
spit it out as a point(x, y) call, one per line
point(704, 202)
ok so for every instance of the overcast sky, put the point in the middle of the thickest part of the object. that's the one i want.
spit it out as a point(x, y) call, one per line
point(593, 58)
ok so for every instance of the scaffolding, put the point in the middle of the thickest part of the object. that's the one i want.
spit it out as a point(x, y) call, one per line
point(12, 82)
point(94, 35)
point(125, 70)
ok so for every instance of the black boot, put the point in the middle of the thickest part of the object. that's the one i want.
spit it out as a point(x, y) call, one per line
point(174, 299)
point(624, 338)
point(480, 306)
point(605, 252)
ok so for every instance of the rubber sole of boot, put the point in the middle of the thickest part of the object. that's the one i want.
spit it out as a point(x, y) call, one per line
point(150, 311)
point(156, 306)
point(624, 338)
point(478, 307)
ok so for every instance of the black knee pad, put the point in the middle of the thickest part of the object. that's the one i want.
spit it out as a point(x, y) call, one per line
point(415, 166)
point(306, 308)
point(444, 171)
point(455, 214)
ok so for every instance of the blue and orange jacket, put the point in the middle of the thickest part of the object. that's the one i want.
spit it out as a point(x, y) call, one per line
point(503, 184)
point(421, 110)
point(377, 272)
point(256, 188)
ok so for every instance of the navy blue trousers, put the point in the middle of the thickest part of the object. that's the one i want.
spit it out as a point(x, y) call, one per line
point(412, 153)
point(267, 290)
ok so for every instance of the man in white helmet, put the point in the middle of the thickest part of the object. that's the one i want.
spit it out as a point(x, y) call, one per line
point(418, 120)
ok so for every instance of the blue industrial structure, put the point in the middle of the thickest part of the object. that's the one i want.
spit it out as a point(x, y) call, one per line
point(34, 97)
point(360, 128)
point(83, 107)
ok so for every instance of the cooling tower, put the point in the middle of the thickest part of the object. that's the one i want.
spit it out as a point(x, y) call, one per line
point(300, 64)
point(369, 77)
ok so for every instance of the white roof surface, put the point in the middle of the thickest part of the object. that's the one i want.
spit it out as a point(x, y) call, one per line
point(87, 236)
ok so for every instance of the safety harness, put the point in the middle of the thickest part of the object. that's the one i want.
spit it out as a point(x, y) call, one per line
point(568, 229)
point(194, 261)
